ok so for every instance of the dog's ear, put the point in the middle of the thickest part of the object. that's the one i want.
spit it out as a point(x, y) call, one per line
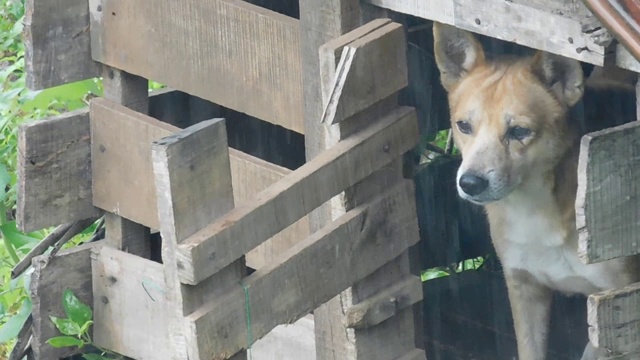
point(457, 52)
point(562, 75)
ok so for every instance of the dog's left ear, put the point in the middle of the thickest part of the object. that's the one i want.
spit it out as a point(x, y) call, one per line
point(562, 75)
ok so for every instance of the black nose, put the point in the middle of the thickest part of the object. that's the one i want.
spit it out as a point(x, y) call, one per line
point(473, 184)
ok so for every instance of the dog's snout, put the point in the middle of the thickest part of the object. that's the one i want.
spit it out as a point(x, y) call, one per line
point(472, 184)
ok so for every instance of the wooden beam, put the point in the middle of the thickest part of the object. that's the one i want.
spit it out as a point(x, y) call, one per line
point(607, 206)
point(614, 319)
point(129, 293)
point(193, 185)
point(57, 43)
point(344, 252)
point(385, 304)
point(69, 269)
point(216, 245)
point(54, 159)
point(505, 20)
point(360, 83)
point(227, 62)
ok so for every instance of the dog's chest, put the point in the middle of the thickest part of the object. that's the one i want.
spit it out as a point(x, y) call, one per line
point(537, 242)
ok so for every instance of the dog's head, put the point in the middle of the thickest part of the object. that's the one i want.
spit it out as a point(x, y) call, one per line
point(508, 116)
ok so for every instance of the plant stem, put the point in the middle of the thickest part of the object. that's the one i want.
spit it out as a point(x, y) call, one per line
point(7, 244)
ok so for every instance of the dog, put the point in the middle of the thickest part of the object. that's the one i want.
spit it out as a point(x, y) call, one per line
point(519, 150)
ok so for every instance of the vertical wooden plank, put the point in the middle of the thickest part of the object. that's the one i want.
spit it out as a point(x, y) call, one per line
point(322, 21)
point(69, 269)
point(193, 183)
point(132, 92)
point(57, 43)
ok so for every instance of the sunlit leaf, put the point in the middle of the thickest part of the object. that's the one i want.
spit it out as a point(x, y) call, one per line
point(75, 309)
point(65, 341)
point(66, 326)
point(12, 327)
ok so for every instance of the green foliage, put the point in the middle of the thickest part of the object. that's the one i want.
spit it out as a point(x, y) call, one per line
point(465, 265)
point(75, 328)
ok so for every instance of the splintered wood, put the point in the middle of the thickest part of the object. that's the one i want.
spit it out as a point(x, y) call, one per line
point(233, 53)
point(607, 204)
point(280, 205)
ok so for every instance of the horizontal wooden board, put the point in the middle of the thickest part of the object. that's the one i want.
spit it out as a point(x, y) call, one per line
point(57, 43)
point(607, 206)
point(310, 273)
point(614, 319)
point(233, 53)
point(129, 293)
point(514, 21)
point(351, 160)
point(54, 172)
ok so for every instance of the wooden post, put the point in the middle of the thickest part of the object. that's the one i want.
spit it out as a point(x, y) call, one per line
point(133, 92)
point(193, 183)
point(322, 21)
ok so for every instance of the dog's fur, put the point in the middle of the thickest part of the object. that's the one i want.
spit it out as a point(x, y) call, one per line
point(509, 120)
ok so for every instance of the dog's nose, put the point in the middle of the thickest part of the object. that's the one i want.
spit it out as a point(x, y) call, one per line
point(473, 184)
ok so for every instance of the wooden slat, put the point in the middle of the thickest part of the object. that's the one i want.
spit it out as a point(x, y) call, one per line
point(192, 174)
point(625, 60)
point(130, 292)
point(342, 253)
point(69, 269)
point(384, 304)
point(360, 83)
point(283, 203)
point(607, 205)
point(614, 319)
point(416, 354)
point(57, 43)
point(514, 21)
point(251, 176)
point(214, 54)
point(54, 167)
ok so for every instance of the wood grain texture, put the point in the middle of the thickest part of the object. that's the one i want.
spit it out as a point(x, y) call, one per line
point(193, 187)
point(57, 43)
point(288, 200)
point(54, 172)
point(521, 22)
point(384, 304)
point(607, 206)
point(69, 269)
point(253, 69)
point(130, 293)
point(359, 82)
point(344, 252)
point(251, 176)
point(614, 319)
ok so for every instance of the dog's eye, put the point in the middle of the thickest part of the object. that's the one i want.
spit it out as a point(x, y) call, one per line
point(518, 133)
point(464, 127)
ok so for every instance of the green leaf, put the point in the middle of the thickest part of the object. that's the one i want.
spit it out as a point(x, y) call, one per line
point(85, 327)
point(15, 236)
point(65, 341)
point(12, 327)
point(66, 326)
point(5, 179)
point(75, 309)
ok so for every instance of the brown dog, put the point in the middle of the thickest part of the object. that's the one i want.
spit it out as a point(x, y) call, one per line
point(509, 120)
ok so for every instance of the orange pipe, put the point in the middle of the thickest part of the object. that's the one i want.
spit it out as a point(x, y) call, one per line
point(622, 18)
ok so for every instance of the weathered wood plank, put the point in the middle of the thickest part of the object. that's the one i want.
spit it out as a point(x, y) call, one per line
point(614, 319)
point(129, 294)
point(359, 83)
point(625, 60)
point(69, 269)
point(193, 186)
point(57, 43)
point(514, 21)
point(345, 251)
point(54, 172)
point(416, 354)
point(288, 200)
point(607, 206)
point(384, 304)
point(251, 176)
point(229, 63)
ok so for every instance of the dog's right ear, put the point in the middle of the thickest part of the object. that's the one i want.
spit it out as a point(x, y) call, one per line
point(457, 52)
